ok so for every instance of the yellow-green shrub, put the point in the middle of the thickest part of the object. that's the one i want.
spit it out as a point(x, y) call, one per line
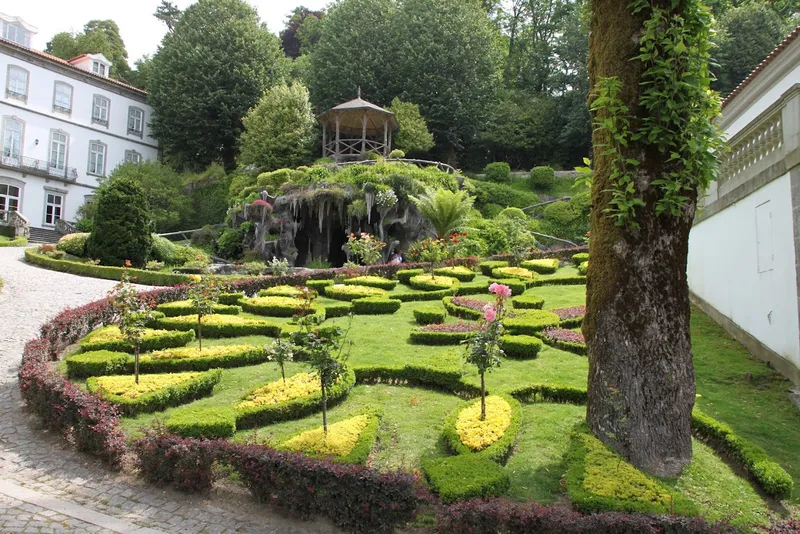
point(349, 292)
point(546, 266)
point(477, 434)
point(110, 338)
point(458, 272)
point(215, 326)
point(299, 385)
point(427, 282)
point(341, 438)
point(514, 272)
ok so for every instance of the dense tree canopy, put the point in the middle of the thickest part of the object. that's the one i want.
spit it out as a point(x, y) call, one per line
point(302, 31)
point(98, 36)
point(207, 74)
point(280, 130)
point(413, 135)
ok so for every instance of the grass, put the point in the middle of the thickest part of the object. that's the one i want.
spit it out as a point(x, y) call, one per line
point(734, 388)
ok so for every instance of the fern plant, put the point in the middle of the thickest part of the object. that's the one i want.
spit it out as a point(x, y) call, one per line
point(447, 211)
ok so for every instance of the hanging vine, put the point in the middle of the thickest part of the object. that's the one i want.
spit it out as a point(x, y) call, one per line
point(676, 114)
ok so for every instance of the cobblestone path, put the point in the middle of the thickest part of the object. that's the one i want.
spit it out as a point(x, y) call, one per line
point(47, 487)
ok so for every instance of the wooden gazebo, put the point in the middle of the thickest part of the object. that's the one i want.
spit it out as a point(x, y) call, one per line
point(355, 128)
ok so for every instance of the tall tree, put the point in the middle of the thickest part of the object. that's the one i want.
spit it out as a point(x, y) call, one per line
point(355, 50)
point(447, 62)
point(413, 135)
point(98, 36)
point(205, 77)
point(654, 142)
point(168, 13)
point(296, 31)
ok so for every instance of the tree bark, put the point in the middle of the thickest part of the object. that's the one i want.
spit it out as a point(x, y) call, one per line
point(641, 378)
point(324, 409)
point(483, 399)
point(136, 363)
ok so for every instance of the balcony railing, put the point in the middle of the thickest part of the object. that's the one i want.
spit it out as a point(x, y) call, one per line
point(39, 168)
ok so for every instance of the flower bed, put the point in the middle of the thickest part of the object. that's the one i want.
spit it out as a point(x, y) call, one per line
point(372, 281)
point(153, 392)
point(564, 339)
point(272, 306)
point(427, 282)
point(527, 302)
point(280, 291)
point(417, 296)
point(216, 326)
point(465, 308)
point(443, 334)
point(514, 272)
point(429, 315)
point(110, 338)
point(516, 285)
point(530, 322)
point(570, 317)
point(545, 266)
point(276, 401)
point(185, 307)
point(349, 293)
point(462, 274)
point(348, 441)
point(494, 438)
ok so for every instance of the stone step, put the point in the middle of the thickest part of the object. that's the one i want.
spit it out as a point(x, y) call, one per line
point(43, 235)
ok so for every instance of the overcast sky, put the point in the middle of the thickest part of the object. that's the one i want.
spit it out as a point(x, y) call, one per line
point(140, 30)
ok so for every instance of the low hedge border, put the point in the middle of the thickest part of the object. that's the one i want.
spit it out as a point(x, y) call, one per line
point(579, 258)
point(521, 347)
point(767, 473)
point(182, 393)
point(560, 281)
point(500, 450)
point(372, 281)
point(404, 275)
point(318, 285)
point(518, 287)
point(280, 291)
point(515, 273)
point(294, 408)
point(585, 448)
point(429, 315)
point(527, 302)
point(436, 377)
point(424, 282)
point(16, 242)
point(543, 266)
point(153, 341)
point(462, 274)
point(366, 441)
point(421, 337)
point(140, 276)
point(185, 307)
point(460, 311)
point(340, 309)
point(272, 306)
point(557, 393)
point(375, 306)
point(230, 299)
point(96, 363)
point(187, 323)
point(461, 477)
point(562, 254)
point(472, 288)
point(530, 322)
point(206, 423)
point(351, 292)
point(576, 348)
point(487, 267)
point(418, 296)
point(583, 268)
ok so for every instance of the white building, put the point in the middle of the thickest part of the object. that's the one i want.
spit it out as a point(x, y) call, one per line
point(64, 125)
point(744, 248)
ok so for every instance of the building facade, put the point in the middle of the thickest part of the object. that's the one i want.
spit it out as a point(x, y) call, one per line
point(65, 125)
point(744, 248)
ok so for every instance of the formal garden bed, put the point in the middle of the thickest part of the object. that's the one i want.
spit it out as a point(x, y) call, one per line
point(404, 430)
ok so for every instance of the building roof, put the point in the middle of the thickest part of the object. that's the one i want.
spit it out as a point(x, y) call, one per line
point(351, 113)
point(761, 66)
point(64, 63)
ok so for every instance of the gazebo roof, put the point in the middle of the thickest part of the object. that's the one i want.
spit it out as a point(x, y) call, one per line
point(351, 113)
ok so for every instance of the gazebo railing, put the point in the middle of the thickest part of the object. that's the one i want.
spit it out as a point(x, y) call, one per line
point(421, 162)
point(353, 146)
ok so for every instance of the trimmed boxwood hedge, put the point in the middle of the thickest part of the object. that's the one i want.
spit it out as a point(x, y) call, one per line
point(516, 273)
point(522, 347)
point(349, 293)
point(500, 450)
point(417, 296)
point(462, 274)
point(426, 282)
point(96, 363)
point(544, 266)
point(239, 356)
point(207, 423)
point(579, 258)
point(518, 287)
point(152, 340)
point(576, 348)
point(527, 302)
point(375, 306)
point(163, 398)
point(560, 281)
point(217, 326)
point(461, 477)
point(404, 275)
point(372, 281)
point(294, 408)
point(339, 309)
point(472, 288)
point(589, 460)
point(583, 268)
point(366, 441)
point(15, 242)
point(488, 266)
point(421, 337)
point(772, 478)
point(429, 315)
point(460, 311)
point(280, 291)
point(185, 307)
point(272, 306)
point(230, 299)
point(557, 393)
point(530, 322)
point(318, 285)
point(434, 375)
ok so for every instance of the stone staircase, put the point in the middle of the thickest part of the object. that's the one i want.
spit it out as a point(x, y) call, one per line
point(43, 235)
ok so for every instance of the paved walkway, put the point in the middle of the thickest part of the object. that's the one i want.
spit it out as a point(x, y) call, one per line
point(47, 487)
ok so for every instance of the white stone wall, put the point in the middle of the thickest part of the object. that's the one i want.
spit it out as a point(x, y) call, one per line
point(750, 278)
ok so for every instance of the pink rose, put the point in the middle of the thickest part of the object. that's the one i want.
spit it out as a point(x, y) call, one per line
point(500, 289)
point(489, 314)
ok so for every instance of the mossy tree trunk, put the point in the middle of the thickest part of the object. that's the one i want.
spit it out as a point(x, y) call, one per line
point(324, 408)
point(641, 377)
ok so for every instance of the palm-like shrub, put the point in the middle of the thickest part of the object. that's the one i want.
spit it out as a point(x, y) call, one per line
point(447, 211)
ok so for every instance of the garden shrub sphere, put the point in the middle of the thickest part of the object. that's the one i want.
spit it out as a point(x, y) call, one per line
point(499, 171)
point(542, 178)
point(121, 225)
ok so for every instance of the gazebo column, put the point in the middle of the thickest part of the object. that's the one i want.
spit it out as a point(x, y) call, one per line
point(324, 139)
point(364, 133)
point(385, 138)
point(336, 155)
point(389, 146)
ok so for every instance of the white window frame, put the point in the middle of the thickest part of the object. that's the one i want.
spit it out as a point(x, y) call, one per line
point(99, 68)
point(131, 156)
point(93, 152)
point(19, 31)
point(96, 107)
point(56, 169)
point(20, 186)
point(18, 155)
point(57, 206)
point(60, 107)
point(13, 73)
point(132, 120)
